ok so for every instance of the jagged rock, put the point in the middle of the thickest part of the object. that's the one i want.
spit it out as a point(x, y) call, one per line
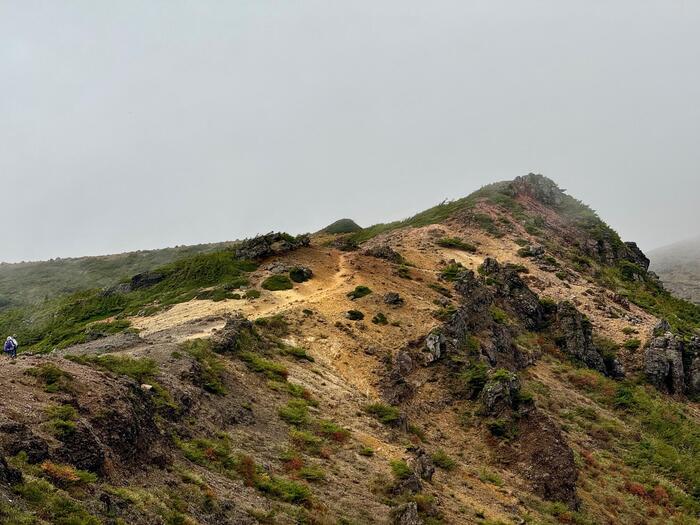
point(300, 274)
point(8, 475)
point(145, 280)
point(663, 363)
point(384, 252)
point(237, 331)
point(574, 335)
point(393, 299)
point(407, 514)
point(500, 393)
point(270, 244)
point(661, 328)
point(436, 345)
point(422, 464)
point(276, 268)
point(489, 266)
point(636, 255)
point(614, 368)
point(82, 448)
point(16, 437)
point(539, 187)
point(410, 484)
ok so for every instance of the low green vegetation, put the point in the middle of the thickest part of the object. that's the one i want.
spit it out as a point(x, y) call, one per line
point(53, 378)
point(71, 319)
point(380, 319)
point(456, 244)
point(143, 371)
point(271, 369)
point(211, 369)
point(216, 454)
point(359, 292)
point(442, 460)
point(276, 283)
point(62, 420)
point(400, 469)
point(386, 414)
point(452, 271)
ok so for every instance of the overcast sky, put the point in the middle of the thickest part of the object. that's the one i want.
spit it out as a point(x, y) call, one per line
point(131, 124)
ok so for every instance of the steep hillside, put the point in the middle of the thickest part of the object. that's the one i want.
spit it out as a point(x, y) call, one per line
point(505, 358)
point(32, 282)
point(678, 266)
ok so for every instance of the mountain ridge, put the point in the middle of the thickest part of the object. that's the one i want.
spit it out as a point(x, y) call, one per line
point(504, 358)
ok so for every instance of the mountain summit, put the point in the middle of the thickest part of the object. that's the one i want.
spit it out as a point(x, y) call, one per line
point(501, 358)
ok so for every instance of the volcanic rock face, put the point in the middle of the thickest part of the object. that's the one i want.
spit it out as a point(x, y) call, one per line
point(663, 363)
point(575, 336)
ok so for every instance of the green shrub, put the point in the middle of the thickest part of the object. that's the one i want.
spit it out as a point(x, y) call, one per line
point(452, 271)
point(487, 476)
point(380, 319)
point(456, 243)
point(366, 451)
point(400, 469)
point(474, 378)
point(440, 289)
point(295, 351)
point(632, 344)
point(442, 460)
point(295, 412)
point(299, 275)
point(386, 414)
point(252, 293)
point(312, 474)
point(62, 420)
point(261, 365)
point(358, 292)
point(499, 315)
point(276, 283)
point(355, 315)
point(283, 489)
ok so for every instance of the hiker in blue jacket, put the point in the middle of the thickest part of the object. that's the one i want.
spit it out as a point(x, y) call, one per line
point(11, 346)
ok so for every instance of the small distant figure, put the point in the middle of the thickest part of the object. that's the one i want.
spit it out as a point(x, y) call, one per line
point(11, 346)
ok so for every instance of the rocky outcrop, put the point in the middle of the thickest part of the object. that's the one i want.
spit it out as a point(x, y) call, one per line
point(393, 299)
point(422, 464)
point(500, 393)
point(407, 514)
point(8, 475)
point(635, 255)
point(663, 363)
point(234, 336)
point(384, 252)
point(17, 437)
point(270, 244)
point(574, 336)
point(146, 280)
